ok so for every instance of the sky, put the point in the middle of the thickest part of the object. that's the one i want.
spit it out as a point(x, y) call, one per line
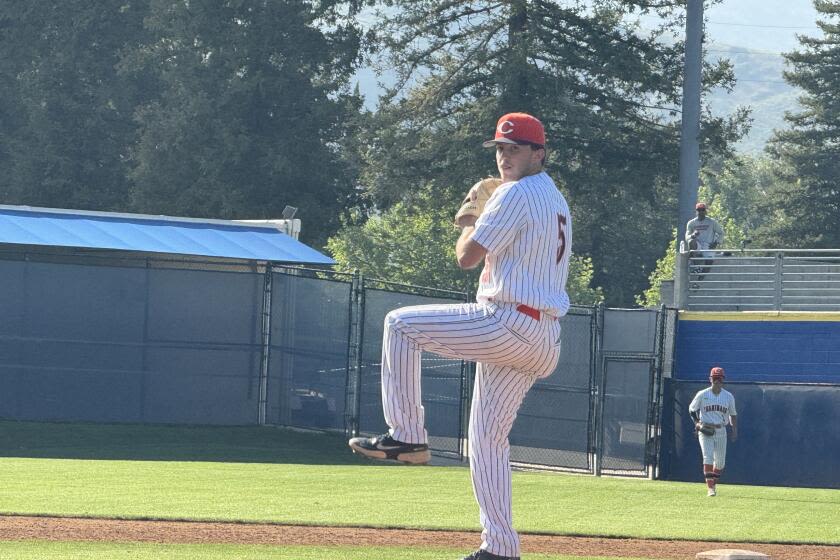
point(769, 25)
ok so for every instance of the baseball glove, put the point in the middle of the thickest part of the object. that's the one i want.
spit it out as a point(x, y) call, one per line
point(478, 196)
point(706, 429)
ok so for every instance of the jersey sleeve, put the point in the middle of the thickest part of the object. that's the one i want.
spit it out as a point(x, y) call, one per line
point(504, 216)
point(732, 411)
point(689, 229)
point(695, 402)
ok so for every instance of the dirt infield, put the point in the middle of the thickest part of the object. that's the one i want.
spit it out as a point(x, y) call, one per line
point(79, 529)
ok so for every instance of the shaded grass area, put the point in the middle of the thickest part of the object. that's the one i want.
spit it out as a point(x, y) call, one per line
point(45, 550)
point(240, 444)
point(279, 476)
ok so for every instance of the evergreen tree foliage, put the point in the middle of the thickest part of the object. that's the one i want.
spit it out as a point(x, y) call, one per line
point(252, 112)
point(807, 203)
point(65, 113)
point(744, 186)
point(665, 269)
point(607, 93)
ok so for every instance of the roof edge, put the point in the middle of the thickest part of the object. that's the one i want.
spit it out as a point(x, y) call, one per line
point(150, 217)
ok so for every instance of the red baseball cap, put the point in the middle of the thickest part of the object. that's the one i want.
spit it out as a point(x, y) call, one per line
point(717, 373)
point(518, 128)
point(700, 206)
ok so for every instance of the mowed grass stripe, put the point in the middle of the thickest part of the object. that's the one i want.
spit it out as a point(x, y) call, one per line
point(313, 479)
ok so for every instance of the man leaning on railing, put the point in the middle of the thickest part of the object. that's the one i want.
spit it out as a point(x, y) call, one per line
point(701, 234)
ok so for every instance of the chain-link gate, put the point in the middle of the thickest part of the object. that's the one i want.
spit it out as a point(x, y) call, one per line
point(628, 389)
point(554, 425)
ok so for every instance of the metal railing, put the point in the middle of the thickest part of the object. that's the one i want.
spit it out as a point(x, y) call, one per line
point(758, 279)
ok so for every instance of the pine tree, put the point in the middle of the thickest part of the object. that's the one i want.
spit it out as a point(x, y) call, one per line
point(252, 110)
point(808, 203)
point(66, 115)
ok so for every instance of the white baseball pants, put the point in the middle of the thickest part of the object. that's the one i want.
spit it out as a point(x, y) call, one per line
point(512, 349)
point(714, 448)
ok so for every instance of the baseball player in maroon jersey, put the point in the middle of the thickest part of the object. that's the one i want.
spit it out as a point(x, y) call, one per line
point(712, 409)
point(524, 237)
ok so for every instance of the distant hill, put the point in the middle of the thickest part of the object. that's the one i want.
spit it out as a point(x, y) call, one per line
point(760, 86)
point(761, 29)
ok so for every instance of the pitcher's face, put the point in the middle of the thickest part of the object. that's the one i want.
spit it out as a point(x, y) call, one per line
point(516, 161)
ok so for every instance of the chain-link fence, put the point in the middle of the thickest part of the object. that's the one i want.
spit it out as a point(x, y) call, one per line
point(128, 340)
point(554, 425)
point(135, 339)
point(309, 340)
point(443, 382)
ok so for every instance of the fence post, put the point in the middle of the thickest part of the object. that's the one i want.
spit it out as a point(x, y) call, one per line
point(597, 391)
point(594, 353)
point(467, 376)
point(652, 442)
point(358, 345)
point(350, 388)
point(777, 281)
point(681, 274)
point(467, 381)
point(265, 353)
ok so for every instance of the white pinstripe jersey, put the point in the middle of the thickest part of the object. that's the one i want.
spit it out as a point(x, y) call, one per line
point(526, 228)
point(714, 409)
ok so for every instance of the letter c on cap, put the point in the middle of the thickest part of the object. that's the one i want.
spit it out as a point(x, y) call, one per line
point(505, 128)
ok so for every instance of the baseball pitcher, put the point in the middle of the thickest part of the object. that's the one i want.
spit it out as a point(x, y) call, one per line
point(520, 227)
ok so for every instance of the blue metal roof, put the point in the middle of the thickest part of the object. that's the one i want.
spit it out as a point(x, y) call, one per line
point(153, 234)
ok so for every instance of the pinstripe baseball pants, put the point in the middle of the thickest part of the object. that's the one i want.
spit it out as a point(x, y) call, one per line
point(513, 350)
point(714, 448)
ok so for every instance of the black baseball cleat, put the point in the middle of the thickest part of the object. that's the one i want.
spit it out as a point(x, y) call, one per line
point(484, 555)
point(385, 447)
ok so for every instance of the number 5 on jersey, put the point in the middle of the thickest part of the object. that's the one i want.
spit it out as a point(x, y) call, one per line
point(561, 223)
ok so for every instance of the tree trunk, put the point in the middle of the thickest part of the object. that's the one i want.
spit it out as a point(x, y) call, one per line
point(515, 82)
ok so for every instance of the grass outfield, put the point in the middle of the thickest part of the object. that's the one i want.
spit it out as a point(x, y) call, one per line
point(272, 475)
point(138, 551)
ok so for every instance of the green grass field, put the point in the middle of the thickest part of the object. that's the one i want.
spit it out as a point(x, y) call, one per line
point(273, 475)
